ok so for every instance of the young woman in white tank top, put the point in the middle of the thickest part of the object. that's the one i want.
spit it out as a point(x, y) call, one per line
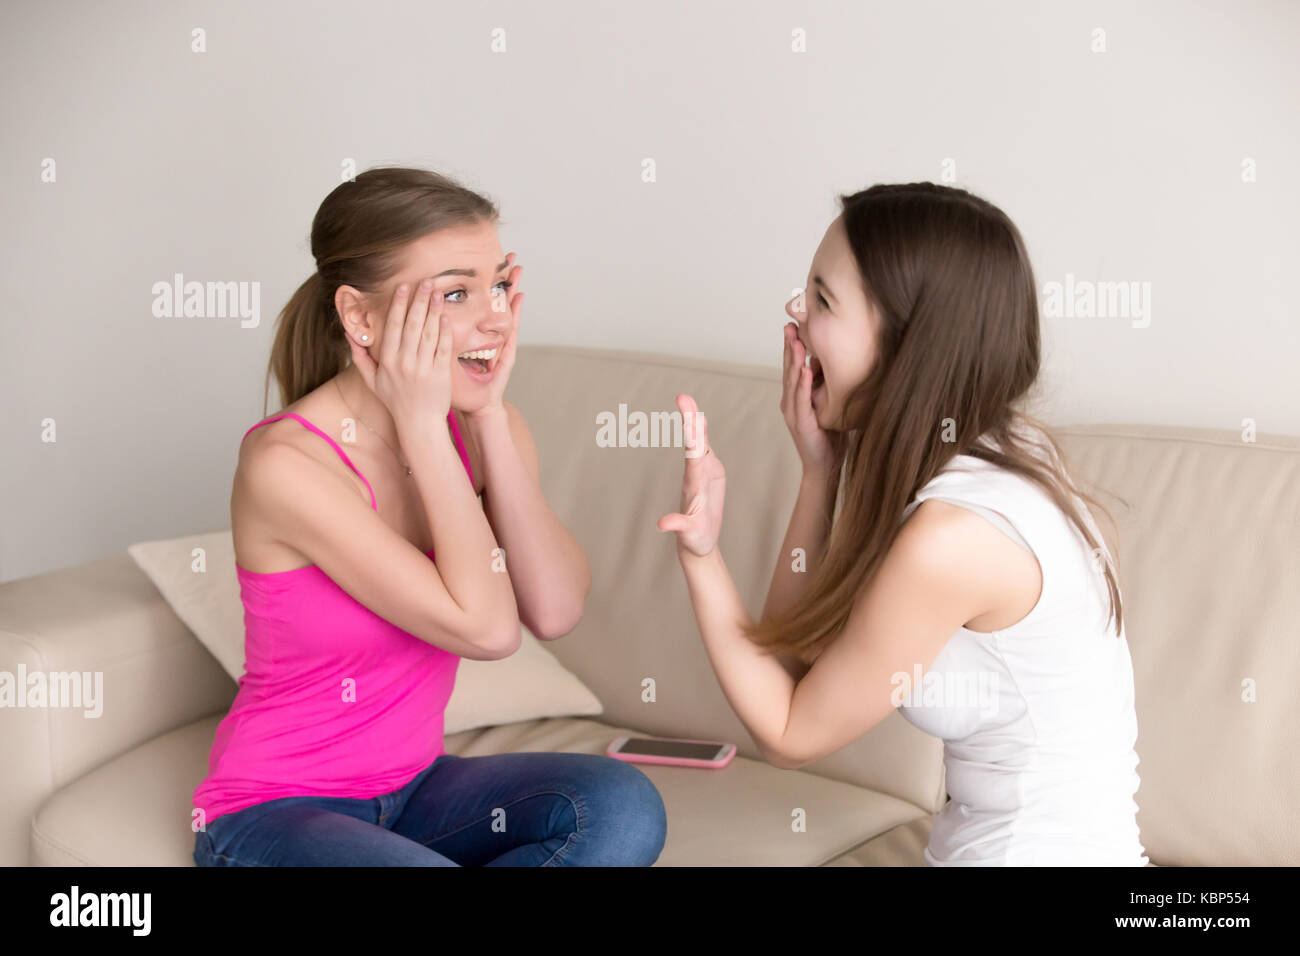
point(939, 558)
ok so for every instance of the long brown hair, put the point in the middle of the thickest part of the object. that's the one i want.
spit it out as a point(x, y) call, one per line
point(958, 352)
point(356, 239)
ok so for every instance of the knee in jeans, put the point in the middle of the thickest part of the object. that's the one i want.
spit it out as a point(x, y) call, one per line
point(631, 793)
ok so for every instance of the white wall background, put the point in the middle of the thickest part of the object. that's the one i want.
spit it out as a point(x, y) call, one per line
point(1118, 165)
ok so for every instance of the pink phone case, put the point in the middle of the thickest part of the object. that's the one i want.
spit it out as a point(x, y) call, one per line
point(671, 761)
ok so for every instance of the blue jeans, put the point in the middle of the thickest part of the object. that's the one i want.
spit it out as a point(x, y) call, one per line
point(516, 809)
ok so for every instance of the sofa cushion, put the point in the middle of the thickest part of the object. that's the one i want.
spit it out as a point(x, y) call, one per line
point(904, 845)
point(528, 685)
point(135, 810)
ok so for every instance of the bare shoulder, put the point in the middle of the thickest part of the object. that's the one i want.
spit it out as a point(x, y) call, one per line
point(958, 549)
point(285, 475)
point(289, 450)
point(277, 450)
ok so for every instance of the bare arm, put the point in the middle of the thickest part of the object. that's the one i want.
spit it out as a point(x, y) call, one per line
point(550, 573)
point(458, 605)
point(810, 523)
point(810, 526)
point(463, 542)
point(946, 566)
point(809, 530)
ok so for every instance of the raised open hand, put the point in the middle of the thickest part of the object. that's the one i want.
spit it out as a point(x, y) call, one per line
point(704, 486)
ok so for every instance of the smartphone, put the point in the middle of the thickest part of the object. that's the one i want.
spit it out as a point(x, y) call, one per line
point(675, 751)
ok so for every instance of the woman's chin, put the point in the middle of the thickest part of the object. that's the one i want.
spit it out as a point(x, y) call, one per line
point(467, 394)
point(465, 397)
point(819, 406)
point(466, 402)
point(827, 417)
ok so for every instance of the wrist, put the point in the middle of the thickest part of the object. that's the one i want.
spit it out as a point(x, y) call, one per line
point(689, 558)
point(487, 415)
point(415, 439)
point(490, 430)
point(817, 478)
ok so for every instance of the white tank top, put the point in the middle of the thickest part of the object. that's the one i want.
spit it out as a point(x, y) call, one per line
point(1037, 719)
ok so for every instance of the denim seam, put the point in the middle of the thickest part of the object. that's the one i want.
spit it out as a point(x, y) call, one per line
point(563, 851)
point(212, 853)
point(233, 862)
point(579, 810)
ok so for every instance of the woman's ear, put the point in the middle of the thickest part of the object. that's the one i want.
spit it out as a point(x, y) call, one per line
point(352, 305)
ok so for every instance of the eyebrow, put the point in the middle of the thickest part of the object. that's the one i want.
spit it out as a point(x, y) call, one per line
point(470, 272)
point(817, 280)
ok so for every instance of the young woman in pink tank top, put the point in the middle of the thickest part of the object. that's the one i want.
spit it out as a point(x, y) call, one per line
point(368, 566)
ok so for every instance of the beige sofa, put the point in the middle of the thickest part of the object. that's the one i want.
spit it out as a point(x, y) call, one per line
point(1209, 552)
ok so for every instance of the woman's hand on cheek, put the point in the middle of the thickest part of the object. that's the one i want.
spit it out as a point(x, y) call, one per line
point(506, 361)
point(815, 447)
point(704, 485)
point(410, 370)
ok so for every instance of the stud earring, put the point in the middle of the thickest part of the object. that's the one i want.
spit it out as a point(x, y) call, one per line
point(365, 338)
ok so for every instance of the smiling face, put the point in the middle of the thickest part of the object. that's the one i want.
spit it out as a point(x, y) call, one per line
point(469, 268)
point(837, 325)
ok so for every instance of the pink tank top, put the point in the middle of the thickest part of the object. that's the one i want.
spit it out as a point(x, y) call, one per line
point(334, 701)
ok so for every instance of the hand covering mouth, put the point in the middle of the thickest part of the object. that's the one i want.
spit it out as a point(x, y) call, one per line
point(818, 376)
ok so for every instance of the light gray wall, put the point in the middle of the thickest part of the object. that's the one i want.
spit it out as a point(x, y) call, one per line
point(1122, 165)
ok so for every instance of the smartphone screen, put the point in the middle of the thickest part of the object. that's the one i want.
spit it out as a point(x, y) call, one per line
point(672, 748)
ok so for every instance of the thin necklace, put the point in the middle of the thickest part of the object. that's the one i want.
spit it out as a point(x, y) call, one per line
point(367, 424)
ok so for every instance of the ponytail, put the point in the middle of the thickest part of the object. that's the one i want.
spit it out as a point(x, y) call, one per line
point(309, 347)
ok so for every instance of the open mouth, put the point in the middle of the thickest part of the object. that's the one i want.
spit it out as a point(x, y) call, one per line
point(479, 363)
point(818, 376)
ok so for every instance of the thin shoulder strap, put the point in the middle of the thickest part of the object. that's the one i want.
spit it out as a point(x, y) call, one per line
point(460, 445)
point(333, 444)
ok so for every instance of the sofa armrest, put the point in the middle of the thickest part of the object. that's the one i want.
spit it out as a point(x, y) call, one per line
point(101, 630)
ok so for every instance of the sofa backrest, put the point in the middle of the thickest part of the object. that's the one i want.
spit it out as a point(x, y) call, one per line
point(1207, 553)
point(1209, 560)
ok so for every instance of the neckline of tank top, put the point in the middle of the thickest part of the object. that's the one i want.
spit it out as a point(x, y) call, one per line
point(312, 426)
point(1028, 432)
